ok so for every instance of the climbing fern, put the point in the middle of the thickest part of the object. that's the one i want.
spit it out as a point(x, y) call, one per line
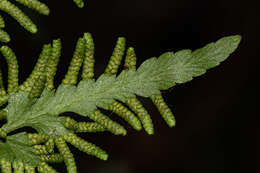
point(36, 104)
point(23, 19)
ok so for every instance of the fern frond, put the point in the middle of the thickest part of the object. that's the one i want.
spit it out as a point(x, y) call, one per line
point(107, 92)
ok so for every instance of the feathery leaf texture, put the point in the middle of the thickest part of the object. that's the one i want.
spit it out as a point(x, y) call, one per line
point(21, 17)
point(37, 104)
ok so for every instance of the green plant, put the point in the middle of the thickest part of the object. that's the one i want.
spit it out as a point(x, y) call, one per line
point(37, 104)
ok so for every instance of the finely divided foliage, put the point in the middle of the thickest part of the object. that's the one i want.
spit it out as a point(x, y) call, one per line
point(23, 19)
point(37, 104)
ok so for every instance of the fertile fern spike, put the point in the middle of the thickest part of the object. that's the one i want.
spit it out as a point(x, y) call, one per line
point(4, 36)
point(52, 158)
point(85, 146)
point(126, 114)
point(67, 155)
point(82, 127)
point(89, 127)
point(12, 68)
point(53, 62)
point(22, 18)
point(39, 70)
point(110, 125)
point(42, 112)
point(40, 149)
point(40, 79)
point(89, 61)
point(116, 57)
point(35, 139)
point(71, 77)
point(135, 105)
point(164, 110)
point(50, 145)
point(35, 5)
point(130, 59)
point(3, 95)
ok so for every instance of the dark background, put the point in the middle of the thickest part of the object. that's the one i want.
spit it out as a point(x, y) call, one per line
point(216, 125)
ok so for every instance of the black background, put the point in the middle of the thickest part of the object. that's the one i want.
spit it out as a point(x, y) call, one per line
point(216, 125)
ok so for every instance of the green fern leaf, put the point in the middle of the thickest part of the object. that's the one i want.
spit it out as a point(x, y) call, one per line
point(26, 151)
point(153, 75)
